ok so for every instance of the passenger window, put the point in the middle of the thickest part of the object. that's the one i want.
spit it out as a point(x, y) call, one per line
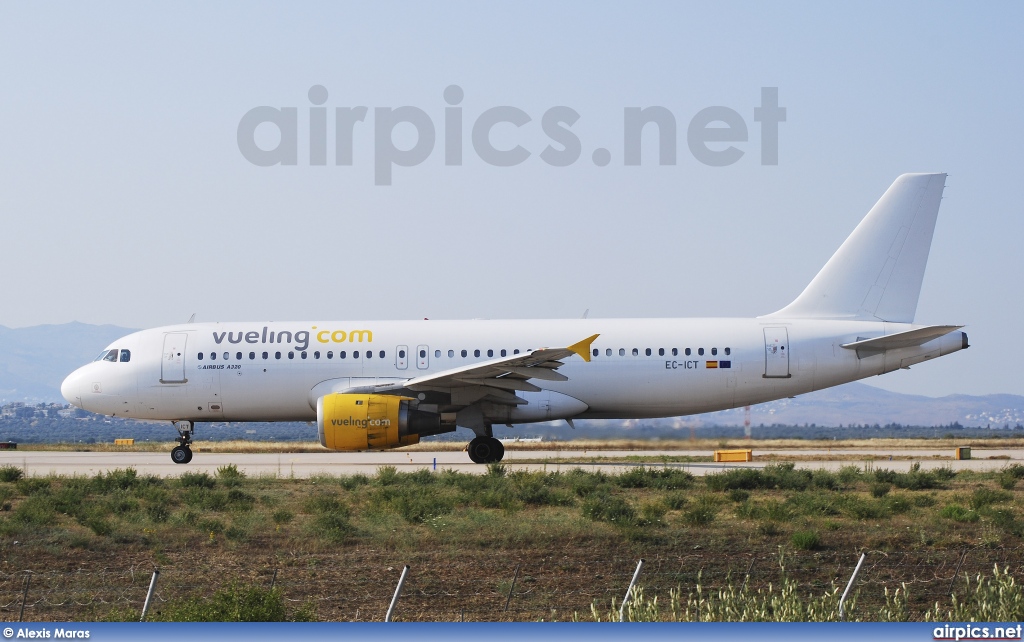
point(700, 351)
point(266, 355)
point(401, 354)
point(675, 352)
point(111, 356)
point(648, 352)
point(608, 352)
point(252, 355)
point(687, 352)
point(213, 356)
point(330, 354)
point(463, 353)
point(661, 352)
point(200, 356)
point(437, 354)
point(291, 355)
point(381, 355)
point(355, 354)
point(728, 351)
point(227, 355)
point(516, 351)
point(490, 353)
point(596, 352)
point(369, 354)
point(636, 353)
point(451, 353)
point(622, 352)
point(342, 355)
point(503, 353)
point(476, 353)
point(303, 354)
point(238, 356)
point(714, 351)
point(423, 353)
point(126, 356)
point(277, 355)
point(316, 355)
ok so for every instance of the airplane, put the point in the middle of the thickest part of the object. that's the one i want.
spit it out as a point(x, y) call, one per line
point(374, 385)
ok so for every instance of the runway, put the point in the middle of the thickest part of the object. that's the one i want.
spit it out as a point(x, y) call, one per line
point(304, 465)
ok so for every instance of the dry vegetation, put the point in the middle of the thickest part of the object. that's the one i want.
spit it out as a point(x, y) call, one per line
point(333, 546)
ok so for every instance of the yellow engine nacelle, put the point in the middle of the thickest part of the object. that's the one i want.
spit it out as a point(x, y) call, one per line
point(372, 422)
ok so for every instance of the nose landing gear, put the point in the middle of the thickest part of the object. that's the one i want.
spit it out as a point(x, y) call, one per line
point(182, 453)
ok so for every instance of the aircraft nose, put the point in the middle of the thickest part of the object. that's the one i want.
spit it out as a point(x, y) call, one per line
point(71, 389)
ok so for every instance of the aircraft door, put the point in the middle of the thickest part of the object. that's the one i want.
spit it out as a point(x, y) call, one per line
point(172, 365)
point(776, 352)
point(402, 357)
point(422, 357)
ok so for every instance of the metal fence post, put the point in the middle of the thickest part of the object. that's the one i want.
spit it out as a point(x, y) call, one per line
point(24, 596)
point(511, 588)
point(957, 571)
point(398, 591)
point(632, 582)
point(149, 594)
point(842, 614)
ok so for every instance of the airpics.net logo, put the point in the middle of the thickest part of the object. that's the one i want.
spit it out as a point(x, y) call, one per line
point(974, 632)
point(714, 135)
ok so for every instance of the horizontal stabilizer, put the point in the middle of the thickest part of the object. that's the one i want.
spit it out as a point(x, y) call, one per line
point(907, 339)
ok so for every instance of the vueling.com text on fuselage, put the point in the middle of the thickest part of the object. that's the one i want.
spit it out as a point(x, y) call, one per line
point(300, 338)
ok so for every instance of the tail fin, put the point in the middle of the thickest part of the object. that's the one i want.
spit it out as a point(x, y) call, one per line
point(876, 274)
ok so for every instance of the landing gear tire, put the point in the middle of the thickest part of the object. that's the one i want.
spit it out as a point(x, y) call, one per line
point(486, 450)
point(181, 454)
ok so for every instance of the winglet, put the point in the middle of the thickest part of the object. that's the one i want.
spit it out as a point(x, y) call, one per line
point(583, 347)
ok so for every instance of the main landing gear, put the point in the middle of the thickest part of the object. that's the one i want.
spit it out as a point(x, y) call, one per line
point(485, 450)
point(182, 454)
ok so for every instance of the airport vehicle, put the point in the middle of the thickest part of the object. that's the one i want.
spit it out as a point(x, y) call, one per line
point(374, 385)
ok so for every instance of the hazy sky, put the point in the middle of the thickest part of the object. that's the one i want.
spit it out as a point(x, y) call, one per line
point(125, 198)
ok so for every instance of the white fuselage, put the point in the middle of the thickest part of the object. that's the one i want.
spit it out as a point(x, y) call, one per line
point(639, 368)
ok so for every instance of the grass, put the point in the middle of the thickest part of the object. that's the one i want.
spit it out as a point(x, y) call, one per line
point(228, 522)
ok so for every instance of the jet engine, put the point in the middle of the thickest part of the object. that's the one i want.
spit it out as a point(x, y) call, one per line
point(373, 422)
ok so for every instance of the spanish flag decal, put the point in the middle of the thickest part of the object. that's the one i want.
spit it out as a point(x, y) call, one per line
point(717, 364)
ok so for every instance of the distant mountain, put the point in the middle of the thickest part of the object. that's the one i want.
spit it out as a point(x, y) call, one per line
point(858, 403)
point(34, 361)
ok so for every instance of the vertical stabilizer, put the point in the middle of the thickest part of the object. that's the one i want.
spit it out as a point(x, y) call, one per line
point(877, 272)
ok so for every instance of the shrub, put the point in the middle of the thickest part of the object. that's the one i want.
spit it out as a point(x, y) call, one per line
point(11, 473)
point(321, 502)
point(652, 513)
point(233, 603)
point(230, 475)
point(1007, 481)
point(781, 476)
point(880, 489)
point(609, 508)
point(282, 516)
point(660, 478)
point(958, 513)
point(805, 540)
point(197, 480)
point(354, 481)
point(982, 497)
point(703, 511)
point(738, 495)
point(332, 527)
point(117, 479)
point(675, 501)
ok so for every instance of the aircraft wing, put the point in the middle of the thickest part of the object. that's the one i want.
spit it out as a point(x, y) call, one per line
point(499, 378)
point(906, 339)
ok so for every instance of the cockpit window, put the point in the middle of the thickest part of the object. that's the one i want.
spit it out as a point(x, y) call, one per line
point(109, 355)
point(126, 356)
